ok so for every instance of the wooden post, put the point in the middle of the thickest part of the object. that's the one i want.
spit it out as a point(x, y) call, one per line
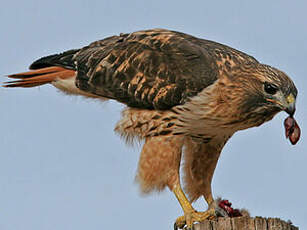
point(245, 223)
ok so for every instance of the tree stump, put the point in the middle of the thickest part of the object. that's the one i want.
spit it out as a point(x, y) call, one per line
point(245, 223)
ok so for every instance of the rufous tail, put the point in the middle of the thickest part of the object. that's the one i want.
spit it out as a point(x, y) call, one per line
point(39, 77)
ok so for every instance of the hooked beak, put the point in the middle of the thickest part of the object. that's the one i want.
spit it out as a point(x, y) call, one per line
point(290, 108)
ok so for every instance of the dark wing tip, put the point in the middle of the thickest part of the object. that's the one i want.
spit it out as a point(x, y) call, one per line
point(64, 59)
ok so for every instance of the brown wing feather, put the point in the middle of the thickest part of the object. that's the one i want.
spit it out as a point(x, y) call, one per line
point(154, 69)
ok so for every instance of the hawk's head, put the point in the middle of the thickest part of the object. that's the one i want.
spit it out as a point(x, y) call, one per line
point(265, 92)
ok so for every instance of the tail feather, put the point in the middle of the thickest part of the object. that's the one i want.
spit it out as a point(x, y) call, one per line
point(39, 77)
point(36, 72)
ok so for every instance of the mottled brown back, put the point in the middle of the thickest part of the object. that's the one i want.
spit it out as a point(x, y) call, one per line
point(153, 69)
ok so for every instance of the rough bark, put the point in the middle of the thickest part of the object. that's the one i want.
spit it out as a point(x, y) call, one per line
point(245, 223)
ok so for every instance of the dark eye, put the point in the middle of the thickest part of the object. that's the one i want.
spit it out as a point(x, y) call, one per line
point(270, 88)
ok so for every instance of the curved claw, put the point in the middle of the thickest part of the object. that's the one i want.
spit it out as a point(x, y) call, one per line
point(175, 226)
point(180, 223)
point(190, 218)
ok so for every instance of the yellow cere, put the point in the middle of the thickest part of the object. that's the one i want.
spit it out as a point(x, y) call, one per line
point(290, 98)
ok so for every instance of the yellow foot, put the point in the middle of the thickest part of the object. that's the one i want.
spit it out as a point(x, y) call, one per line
point(191, 217)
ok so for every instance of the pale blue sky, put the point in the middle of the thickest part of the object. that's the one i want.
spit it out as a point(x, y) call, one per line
point(61, 165)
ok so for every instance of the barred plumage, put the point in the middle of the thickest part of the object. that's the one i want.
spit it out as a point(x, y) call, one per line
point(182, 94)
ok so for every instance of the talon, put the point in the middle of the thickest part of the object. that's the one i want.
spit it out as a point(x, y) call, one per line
point(190, 214)
point(190, 218)
point(180, 223)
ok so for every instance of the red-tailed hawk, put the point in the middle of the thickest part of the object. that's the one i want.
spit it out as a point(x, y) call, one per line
point(183, 95)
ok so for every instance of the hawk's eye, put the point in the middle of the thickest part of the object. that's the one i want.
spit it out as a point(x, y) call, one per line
point(270, 88)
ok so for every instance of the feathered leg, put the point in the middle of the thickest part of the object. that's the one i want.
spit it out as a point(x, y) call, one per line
point(200, 163)
point(159, 167)
point(159, 163)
